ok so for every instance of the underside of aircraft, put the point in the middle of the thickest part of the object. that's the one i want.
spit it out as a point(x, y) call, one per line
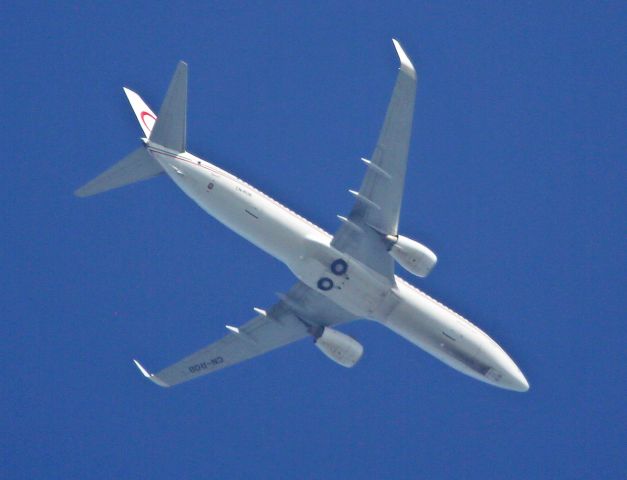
point(341, 277)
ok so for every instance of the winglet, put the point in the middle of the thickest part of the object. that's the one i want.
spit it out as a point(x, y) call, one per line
point(150, 376)
point(406, 65)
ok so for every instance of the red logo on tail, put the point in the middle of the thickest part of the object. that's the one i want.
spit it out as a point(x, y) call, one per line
point(152, 121)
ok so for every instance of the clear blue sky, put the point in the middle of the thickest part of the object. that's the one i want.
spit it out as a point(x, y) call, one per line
point(516, 180)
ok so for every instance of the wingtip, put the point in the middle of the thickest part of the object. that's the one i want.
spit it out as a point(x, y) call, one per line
point(406, 65)
point(141, 369)
point(150, 376)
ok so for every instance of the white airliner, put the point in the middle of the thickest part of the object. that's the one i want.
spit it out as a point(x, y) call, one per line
point(341, 277)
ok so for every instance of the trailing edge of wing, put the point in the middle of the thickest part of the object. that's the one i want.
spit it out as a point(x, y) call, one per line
point(150, 376)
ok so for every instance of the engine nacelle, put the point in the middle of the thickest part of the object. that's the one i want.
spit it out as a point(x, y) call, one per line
point(412, 256)
point(339, 347)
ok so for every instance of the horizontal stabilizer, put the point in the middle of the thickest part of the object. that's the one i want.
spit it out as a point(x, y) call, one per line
point(169, 130)
point(136, 166)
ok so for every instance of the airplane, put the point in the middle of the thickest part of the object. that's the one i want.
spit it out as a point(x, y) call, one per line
point(341, 277)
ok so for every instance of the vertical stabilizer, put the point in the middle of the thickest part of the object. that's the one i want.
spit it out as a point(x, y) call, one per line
point(145, 116)
point(169, 130)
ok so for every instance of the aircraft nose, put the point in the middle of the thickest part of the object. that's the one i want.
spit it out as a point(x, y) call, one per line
point(504, 372)
point(515, 380)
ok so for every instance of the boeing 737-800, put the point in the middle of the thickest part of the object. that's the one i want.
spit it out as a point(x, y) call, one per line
point(341, 277)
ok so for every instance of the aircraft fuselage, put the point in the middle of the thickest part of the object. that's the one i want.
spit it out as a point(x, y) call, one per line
point(306, 250)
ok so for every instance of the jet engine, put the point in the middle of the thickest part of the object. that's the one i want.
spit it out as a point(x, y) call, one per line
point(338, 346)
point(411, 255)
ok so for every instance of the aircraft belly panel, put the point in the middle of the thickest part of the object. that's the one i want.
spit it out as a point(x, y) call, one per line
point(353, 286)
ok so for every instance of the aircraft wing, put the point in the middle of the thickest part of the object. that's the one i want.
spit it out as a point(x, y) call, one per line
point(378, 202)
point(288, 320)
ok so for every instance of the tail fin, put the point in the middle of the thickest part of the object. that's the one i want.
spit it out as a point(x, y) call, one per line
point(169, 130)
point(136, 166)
point(145, 116)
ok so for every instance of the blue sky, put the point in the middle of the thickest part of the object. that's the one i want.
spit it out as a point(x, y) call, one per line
point(516, 180)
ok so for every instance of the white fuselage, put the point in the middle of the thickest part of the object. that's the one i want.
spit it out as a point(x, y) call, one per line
point(306, 250)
